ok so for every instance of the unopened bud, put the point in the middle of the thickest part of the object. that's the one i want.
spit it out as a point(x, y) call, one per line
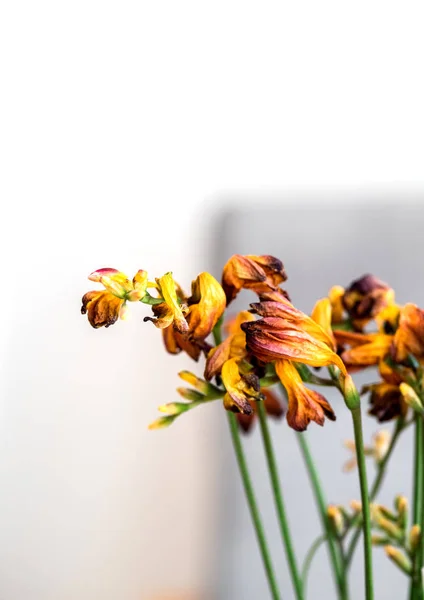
point(411, 398)
point(400, 559)
point(414, 538)
point(383, 510)
point(174, 408)
point(356, 506)
point(191, 395)
point(401, 503)
point(379, 540)
point(162, 422)
point(390, 528)
point(350, 393)
point(200, 385)
point(336, 519)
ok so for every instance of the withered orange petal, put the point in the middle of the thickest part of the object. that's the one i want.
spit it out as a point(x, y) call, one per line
point(102, 308)
point(216, 358)
point(206, 305)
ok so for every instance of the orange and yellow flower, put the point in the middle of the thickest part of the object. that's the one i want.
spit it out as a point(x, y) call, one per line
point(104, 307)
point(304, 405)
point(241, 388)
point(260, 274)
point(365, 298)
point(234, 346)
point(285, 332)
point(409, 336)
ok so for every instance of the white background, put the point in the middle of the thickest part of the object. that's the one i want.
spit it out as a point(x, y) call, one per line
point(122, 126)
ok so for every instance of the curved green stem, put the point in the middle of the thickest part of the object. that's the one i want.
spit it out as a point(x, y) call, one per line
point(309, 558)
point(366, 516)
point(338, 570)
point(254, 511)
point(416, 592)
point(279, 502)
point(374, 489)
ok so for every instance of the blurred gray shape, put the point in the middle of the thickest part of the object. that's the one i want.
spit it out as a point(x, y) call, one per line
point(322, 241)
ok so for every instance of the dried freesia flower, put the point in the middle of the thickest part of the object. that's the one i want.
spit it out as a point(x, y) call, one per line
point(386, 401)
point(240, 387)
point(204, 308)
point(104, 307)
point(171, 311)
point(304, 405)
point(365, 298)
point(273, 407)
point(258, 273)
point(409, 337)
point(287, 333)
point(234, 346)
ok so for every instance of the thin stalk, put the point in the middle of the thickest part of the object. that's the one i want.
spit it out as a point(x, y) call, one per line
point(338, 570)
point(254, 511)
point(366, 523)
point(417, 508)
point(309, 558)
point(374, 489)
point(279, 502)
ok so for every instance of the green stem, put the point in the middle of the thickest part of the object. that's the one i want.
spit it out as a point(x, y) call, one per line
point(417, 508)
point(309, 558)
point(339, 572)
point(374, 489)
point(254, 511)
point(279, 502)
point(366, 516)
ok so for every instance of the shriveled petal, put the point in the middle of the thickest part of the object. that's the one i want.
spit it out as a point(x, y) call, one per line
point(234, 346)
point(366, 297)
point(259, 273)
point(335, 295)
point(216, 358)
point(240, 388)
point(322, 315)
point(272, 338)
point(304, 405)
point(175, 342)
point(114, 281)
point(170, 311)
point(409, 337)
point(370, 353)
point(386, 401)
point(285, 310)
point(139, 285)
point(206, 305)
point(102, 308)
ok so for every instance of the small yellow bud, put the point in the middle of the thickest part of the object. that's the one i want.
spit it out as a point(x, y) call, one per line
point(162, 422)
point(414, 537)
point(401, 503)
point(336, 519)
point(411, 398)
point(174, 408)
point(356, 506)
point(379, 540)
point(398, 558)
point(191, 395)
point(390, 528)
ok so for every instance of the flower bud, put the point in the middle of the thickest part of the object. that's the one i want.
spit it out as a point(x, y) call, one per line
point(379, 540)
point(414, 538)
point(398, 558)
point(411, 398)
point(174, 408)
point(350, 393)
point(401, 503)
point(162, 422)
point(336, 519)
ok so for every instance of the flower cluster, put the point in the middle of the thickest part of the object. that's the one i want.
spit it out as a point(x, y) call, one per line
point(264, 345)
